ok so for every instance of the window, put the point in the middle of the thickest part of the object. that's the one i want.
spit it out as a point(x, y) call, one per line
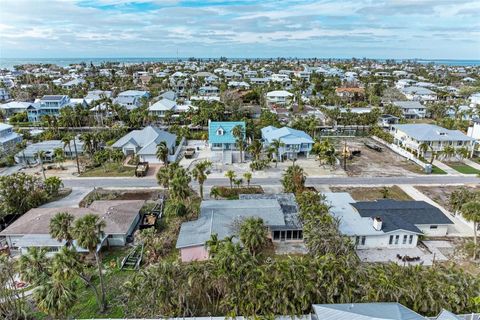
point(391, 240)
point(289, 235)
point(294, 234)
point(357, 240)
point(220, 132)
point(300, 234)
point(433, 227)
point(404, 239)
point(363, 240)
point(397, 237)
point(410, 239)
point(276, 235)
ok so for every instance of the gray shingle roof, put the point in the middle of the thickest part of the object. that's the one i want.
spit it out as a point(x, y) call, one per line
point(222, 217)
point(148, 139)
point(431, 132)
point(365, 311)
point(403, 215)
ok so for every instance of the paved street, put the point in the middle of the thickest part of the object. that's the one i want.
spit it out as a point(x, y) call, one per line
point(151, 182)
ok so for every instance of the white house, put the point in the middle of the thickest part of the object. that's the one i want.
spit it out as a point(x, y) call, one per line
point(32, 228)
point(279, 97)
point(14, 107)
point(411, 109)
point(411, 136)
point(4, 95)
point(475, 98)
point(160, 107)
point(417, 93)
point(8, 138)
point(386, 223)
point(73, 83)
point(144, 143)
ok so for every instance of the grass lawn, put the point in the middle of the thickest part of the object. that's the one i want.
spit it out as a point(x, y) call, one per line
point(437, 170)
point(110, 170)
point(463, 168)
point(372, 193)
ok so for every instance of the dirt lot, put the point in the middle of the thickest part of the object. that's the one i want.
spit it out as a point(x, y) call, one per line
point(372, 193)
point(373, 163)
point(441, 194)
point(102, 194)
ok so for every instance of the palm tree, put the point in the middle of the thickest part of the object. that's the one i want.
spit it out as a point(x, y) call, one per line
point(253, 234)
point(255, 148)
point(385, 192)
point(66, 142)
point(200, 172)
point(276, 144)
point(88, 231)
point(60, 227)
point(423, 148)
point(231, 175)
point(88, 142)
point(212, 244)
point(214, 192)
point(59, 155)
point(162, 152)
point(55, 297)
point(294, 179)
point(41, 155)
point(238, 182)
point(239, 133)
point(179, 185)
point(448, 152)
point(471, 212)
point(248, 177)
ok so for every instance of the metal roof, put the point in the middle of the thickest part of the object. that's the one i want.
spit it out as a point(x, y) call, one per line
point(365, 311)
point(431, 132)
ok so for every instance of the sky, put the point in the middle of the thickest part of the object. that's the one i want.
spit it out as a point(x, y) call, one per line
point(428, 29)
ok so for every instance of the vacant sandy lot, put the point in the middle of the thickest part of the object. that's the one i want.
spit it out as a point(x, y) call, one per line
point(373, 163)
point(372, 193)
point(441, 194)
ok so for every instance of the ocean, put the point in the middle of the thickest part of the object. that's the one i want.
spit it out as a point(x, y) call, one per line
point(9, 63)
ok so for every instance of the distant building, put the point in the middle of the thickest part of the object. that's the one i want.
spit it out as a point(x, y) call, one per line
point(73, 83)
point(279, 97)
point(131, 99)
point(296, 143)
point(350, 94)
point(47, 105)
point(29, 155)
point(417, 93)
point(96, 95)
point(8, 138)
point(4, 95)
point(144, 143)
point(222, 141)
point(411, 109)
point(14, 107)
point(411, 136)
point(279, 213)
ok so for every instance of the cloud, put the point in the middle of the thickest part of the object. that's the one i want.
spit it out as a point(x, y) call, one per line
point(385, 28)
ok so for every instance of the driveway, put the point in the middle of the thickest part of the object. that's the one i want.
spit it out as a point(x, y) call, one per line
point(72, 200)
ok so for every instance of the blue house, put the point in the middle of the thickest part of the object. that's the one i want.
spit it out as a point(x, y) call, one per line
point(48, 105)
point(296, 142)
point(222, 140)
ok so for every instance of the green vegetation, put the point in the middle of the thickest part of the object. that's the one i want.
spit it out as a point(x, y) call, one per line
point(463, 168)
point(232, 193)
point(437, 170)
point(373, 193)
point(110, 170)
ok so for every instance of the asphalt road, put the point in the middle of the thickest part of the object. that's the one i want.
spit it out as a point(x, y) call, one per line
point(331, 181)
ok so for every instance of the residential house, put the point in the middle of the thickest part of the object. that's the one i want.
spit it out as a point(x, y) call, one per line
point(14, 107)
point(411, 109)
point(208, 91)
point(365, 311)
point(417, 93)
point(222, 142)
point(475, 99)
point(259, 81)
point(8, 138)
point(411, 136)
point(96, 95)
point(131, 99)
point(73, 83)
point(279, 97)
point(402, 83)
point(296, 143)
point(351, 94)
point(31, 230)
point(386, 120)
point(474, 130)
point(4, 95)
point(279, 213)
point(47, 105)
point(144, 143)
point(160, 107)
point(29, 155)
point(238, 85)
point(386, 223)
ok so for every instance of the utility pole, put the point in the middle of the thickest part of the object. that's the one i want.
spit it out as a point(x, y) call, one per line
point(345, 156)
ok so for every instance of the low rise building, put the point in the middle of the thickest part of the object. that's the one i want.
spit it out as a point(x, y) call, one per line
point(295, 142)
point(222, 142)
point(417, 93)
point(222, 218)
point(411, 109)
point(279, 97)
point(32, 228)
point(8, 138)
point(412, 136)
point(48, 105)
point(29, 155)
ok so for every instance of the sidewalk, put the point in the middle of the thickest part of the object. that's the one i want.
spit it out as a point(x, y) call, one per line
point(446, 168)
point(459, 229)
point(472, 164)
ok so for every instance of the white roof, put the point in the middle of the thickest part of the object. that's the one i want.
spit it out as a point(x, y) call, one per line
point(279, 93)
point(163, 105)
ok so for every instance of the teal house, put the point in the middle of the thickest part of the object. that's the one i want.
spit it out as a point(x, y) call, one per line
point(222, 142)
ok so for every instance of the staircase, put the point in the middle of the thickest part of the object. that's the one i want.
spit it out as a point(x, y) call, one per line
point(133, 259)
